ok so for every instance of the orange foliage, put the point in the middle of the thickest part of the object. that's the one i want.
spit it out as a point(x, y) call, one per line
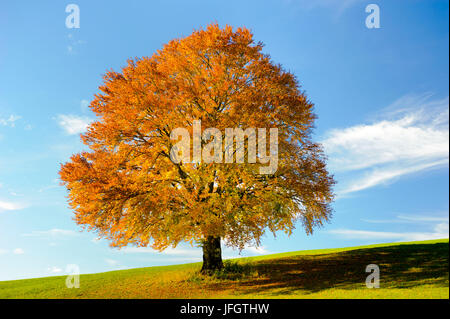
point(128, 190)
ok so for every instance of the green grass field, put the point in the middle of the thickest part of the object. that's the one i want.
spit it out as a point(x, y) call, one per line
point(407, 270)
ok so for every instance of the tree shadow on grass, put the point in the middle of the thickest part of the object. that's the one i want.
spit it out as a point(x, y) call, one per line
point(403, 266)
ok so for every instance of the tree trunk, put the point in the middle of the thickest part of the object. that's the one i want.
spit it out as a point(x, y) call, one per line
point(212, 255)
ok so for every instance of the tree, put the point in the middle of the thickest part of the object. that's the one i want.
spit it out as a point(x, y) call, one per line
point(129, 190)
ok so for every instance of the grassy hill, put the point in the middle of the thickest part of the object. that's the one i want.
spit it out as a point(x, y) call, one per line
point(407, 270)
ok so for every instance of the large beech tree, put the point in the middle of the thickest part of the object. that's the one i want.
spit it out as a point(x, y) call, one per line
point(127, 188)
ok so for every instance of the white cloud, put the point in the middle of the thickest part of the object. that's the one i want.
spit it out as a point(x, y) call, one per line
point(18, 251)
point(406, 236)
point(169, 254)
point(54, 269)
point(73, 124)
point(167, 251)
point(111, 262)
point(10, 121)
point(410, 219)
point(9, 206)
point(379, 176)
point(55, 232)
point(411, 136)
point(438, 227)
point(424, 218)
point(115, 264)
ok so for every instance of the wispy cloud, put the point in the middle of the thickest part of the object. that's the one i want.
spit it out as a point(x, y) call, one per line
point(55, 232)
point(399, 236)
point(412, 135)
point(178, 254)
point(410, 219)
point(73, 124)
point(10, 121)
point(380, 176)
point(10, 206)
point(168, 251)
point(54, 269)
point(424, 218)
point(437, 227)
point(73, 44)
point(18, 251)
point(111, 262)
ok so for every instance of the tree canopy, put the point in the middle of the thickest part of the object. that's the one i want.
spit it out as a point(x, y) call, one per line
point(127, 188)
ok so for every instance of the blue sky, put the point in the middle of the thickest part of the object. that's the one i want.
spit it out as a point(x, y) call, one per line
point(381, 96)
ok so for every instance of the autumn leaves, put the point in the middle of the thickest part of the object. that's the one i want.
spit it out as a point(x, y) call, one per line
point(212, 150)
